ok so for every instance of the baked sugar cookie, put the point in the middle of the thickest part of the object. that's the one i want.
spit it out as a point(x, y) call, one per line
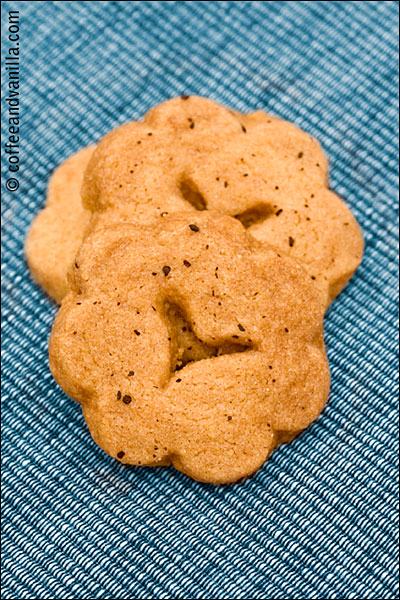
point(116, 348)
point(192, 154)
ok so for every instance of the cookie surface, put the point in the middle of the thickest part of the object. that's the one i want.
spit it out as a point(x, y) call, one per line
point(57, 232)
point(258, 372)
point(192, 154)
point(195, 154)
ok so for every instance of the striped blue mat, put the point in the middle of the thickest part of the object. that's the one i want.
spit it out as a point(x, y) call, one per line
point(320, 518)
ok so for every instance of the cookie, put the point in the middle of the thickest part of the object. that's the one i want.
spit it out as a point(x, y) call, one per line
point(57, 232)
point(118, 348)
point(192, 154)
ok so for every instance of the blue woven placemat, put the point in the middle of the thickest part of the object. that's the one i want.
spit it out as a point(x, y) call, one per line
point(320, 519)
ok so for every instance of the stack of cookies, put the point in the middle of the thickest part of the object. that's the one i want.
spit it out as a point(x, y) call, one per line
point(194, 254)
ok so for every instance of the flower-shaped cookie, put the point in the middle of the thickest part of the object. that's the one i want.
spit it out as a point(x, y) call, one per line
point(121, 345)
point(193, 154)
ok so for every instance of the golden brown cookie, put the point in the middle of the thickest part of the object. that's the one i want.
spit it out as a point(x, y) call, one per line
point(57, 232)
point(115, 345)
point(193, 154)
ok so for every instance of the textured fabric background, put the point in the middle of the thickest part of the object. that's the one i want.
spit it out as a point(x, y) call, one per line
point(319, 520)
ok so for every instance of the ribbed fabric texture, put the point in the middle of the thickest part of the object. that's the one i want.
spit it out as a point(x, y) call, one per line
point(320, 518)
